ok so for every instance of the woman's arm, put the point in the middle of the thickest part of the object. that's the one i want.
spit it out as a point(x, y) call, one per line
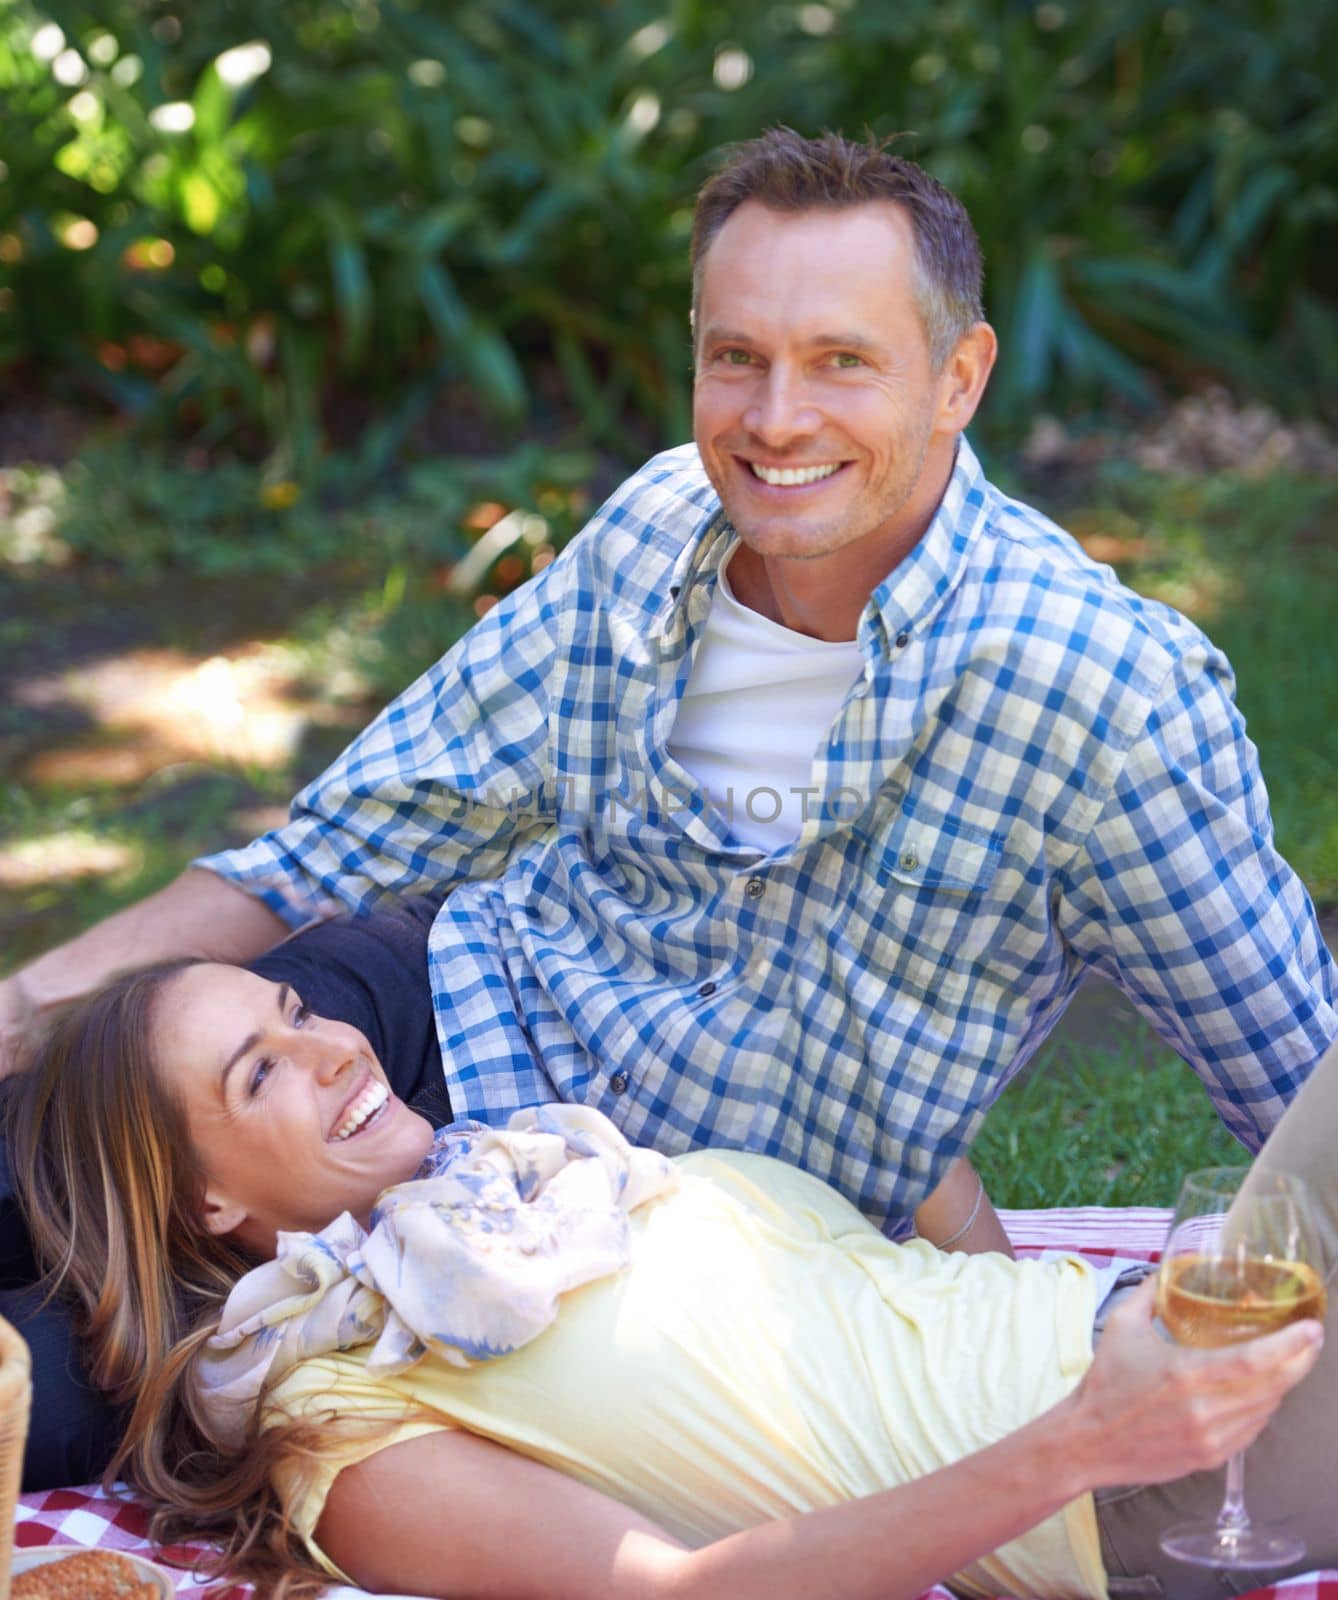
point(459, 1517)
point(456, 1516)
point(958, 1215)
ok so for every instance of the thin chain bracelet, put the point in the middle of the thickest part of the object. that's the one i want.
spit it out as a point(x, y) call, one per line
point(946, 1244)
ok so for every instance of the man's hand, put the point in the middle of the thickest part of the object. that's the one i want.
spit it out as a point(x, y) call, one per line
point(198, 914)
point(16, 1012)
point(1155, 1411)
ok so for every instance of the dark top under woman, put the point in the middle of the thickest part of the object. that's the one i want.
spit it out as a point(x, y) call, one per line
point(369, 971)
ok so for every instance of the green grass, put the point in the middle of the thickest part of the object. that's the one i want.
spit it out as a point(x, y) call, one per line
point(1085, 1126)
point(178, 814)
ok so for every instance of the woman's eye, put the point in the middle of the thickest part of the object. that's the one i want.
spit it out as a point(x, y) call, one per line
point(300, 1014)
point(259, 1073)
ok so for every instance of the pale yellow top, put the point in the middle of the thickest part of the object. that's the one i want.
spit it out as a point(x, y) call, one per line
point(767, 1352)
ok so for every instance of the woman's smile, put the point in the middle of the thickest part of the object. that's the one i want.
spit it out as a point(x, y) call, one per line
point(290, 1112)
point(366, 1107)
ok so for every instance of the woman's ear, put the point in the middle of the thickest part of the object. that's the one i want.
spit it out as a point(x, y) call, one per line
point(221, 1215)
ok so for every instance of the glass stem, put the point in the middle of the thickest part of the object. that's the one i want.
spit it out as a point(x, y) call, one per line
point(1233, 1518)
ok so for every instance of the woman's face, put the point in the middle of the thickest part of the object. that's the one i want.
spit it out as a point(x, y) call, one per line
point(290, 1114)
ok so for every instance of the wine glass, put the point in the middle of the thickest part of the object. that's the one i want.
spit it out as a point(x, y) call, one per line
point(1241, 1259)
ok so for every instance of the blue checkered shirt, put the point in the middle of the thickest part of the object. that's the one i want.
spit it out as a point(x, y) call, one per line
point(1038, 775)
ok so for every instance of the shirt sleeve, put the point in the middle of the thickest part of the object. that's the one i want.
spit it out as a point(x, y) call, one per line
point(446, 784)
point(1181, 898)
point(363, 1416)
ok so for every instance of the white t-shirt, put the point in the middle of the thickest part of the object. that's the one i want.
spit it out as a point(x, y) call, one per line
point(759, 700)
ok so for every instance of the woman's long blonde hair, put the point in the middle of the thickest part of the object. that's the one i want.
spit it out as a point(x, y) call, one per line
point(114, 1199)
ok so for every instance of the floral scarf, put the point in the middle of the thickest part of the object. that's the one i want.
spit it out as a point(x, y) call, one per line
point(466, 1260)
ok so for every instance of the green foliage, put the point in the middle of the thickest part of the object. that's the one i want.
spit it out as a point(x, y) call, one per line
point(241, 221)
point(137, 512)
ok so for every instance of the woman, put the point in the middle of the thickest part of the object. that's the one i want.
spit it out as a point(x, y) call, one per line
point(369, 972)
point(770, 1399)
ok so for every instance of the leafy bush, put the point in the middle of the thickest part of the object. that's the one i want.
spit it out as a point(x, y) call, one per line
point(262, 224)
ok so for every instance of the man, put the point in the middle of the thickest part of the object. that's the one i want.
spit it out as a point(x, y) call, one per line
point(790, 805)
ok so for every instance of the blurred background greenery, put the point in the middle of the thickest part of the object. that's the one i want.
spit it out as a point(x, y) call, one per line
point(284, 226)
point(324, 322)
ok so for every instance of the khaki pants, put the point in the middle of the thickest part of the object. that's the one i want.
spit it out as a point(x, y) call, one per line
point(1291, 1471)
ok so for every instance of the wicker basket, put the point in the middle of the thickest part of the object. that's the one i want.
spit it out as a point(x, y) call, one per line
point(15, 1398)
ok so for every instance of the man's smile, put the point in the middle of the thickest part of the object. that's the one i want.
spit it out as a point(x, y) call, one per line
point(794, 477)
point(782, 482)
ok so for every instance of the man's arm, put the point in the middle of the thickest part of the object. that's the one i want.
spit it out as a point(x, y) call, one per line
point(199, 914)
point(1180, 896)
point(445, 785)
point(439, 788)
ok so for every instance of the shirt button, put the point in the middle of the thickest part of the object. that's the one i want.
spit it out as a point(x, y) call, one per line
point(618, 1083)
point(909, 860)
point(754, 888)
point(706, 990)
point(903, 639)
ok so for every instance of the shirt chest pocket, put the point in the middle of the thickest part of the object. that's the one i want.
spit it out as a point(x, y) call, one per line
point(922, 851)
point(928, 924)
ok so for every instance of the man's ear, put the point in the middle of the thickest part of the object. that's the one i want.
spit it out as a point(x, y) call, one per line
point(965, 374)
point(221, 1215)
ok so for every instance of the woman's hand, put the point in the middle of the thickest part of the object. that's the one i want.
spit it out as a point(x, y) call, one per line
point(1154, 1410)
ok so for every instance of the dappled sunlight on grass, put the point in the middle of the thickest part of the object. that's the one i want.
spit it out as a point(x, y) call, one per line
point(152, 708)
point(1113, 1123)
point(119, 764)
point(63, 858)
point(1113, 548)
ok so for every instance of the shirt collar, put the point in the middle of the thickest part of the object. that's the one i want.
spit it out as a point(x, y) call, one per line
point(908, 599)
point(695, 565)
point(903, 604)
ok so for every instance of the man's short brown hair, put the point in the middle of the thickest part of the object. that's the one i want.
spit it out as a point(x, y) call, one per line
point(786, 172)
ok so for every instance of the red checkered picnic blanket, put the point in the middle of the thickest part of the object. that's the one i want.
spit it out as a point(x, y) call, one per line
point(87, 1517)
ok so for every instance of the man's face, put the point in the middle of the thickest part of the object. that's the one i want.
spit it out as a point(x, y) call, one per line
point(815, 405)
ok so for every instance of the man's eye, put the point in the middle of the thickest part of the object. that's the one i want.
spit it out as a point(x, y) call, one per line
point(845, 359)
point(736, 358)
point(259, 1073)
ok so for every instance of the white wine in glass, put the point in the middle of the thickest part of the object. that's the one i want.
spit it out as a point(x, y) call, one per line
point(1241, 1260)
